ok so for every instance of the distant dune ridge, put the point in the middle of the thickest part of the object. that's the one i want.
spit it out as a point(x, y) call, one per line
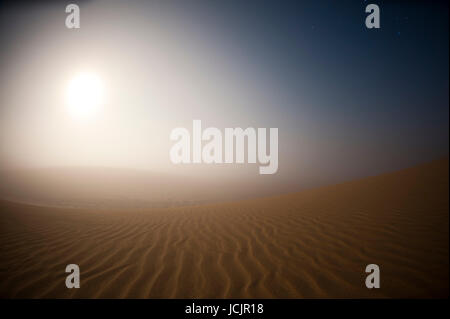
point(116, 188)
point(312, 244)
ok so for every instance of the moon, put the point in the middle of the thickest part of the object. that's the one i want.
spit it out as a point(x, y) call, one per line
point(85, 95)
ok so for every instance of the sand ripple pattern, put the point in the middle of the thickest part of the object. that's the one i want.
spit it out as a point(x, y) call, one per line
point(311, 244)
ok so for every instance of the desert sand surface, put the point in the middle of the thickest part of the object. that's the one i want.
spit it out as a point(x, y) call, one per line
point(311, 244)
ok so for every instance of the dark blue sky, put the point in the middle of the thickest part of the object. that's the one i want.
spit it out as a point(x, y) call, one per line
point(398, 73)
point(382, 89)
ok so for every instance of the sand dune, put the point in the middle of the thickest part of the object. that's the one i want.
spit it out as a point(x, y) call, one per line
point(315, 243)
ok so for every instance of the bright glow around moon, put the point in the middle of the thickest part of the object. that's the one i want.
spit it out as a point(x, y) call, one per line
point(85, 94)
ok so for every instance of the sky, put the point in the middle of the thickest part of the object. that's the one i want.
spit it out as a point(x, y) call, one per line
point(348, 101)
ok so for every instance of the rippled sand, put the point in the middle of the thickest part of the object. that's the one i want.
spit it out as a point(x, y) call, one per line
point(311, 244)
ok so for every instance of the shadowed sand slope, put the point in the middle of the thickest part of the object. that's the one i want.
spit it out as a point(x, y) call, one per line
point(316, 243)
